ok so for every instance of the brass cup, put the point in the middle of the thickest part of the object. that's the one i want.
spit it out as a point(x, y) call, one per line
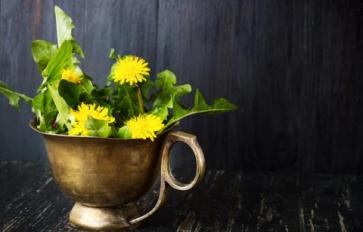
point(106, 176)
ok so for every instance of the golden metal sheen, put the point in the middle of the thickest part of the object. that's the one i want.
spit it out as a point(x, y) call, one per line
point(106, 176)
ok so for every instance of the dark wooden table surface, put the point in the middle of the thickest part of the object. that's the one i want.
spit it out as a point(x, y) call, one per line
point(225, 201)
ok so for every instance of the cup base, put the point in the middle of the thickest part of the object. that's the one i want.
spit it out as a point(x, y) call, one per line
point(103, 219)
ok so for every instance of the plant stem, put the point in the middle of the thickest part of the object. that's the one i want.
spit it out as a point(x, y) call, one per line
point(128, 99)
point(140, 100)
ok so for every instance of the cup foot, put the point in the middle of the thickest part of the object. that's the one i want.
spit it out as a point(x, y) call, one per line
point(103, 219)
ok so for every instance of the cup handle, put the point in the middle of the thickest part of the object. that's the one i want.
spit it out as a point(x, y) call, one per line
point(167, 179)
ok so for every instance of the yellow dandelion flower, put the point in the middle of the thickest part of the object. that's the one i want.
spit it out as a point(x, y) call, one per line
point(73, 75)
point(80, 117)
point(130, 69)
point(145, 126)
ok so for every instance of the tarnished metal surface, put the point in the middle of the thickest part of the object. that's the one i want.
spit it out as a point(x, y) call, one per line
point(104, 175)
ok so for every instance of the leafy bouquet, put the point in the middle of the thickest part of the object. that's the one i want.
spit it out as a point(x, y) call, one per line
point(130, 105)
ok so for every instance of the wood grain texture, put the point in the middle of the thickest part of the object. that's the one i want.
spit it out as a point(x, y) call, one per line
point(293, 67)
point(224, 201)
point(128, 26)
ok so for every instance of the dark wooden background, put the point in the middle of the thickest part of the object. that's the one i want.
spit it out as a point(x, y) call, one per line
point(294, 67)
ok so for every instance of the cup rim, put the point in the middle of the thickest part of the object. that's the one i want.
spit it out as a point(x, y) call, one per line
point(32, 123)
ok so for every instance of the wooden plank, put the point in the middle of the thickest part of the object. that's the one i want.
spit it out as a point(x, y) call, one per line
point(128, 26)
point(36, 200)
point(18, 178)
point(294, 69)
point(20, 23)
point(197, 214)
point(317, 206)
point(225, 201)
point(275, 207)
point(327, 203)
